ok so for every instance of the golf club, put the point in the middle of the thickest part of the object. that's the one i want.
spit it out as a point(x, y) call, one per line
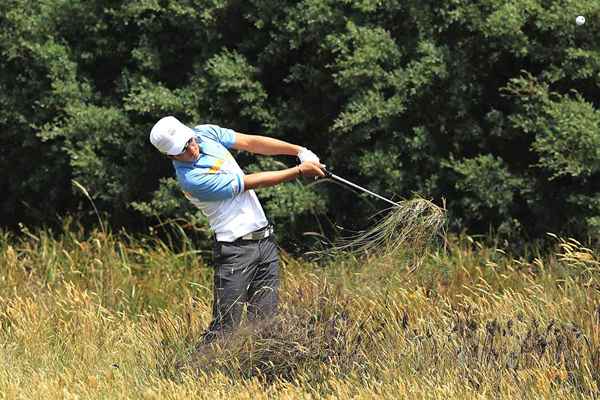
point(355, 186)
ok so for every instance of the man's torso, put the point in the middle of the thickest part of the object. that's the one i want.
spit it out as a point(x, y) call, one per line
point(214, 184)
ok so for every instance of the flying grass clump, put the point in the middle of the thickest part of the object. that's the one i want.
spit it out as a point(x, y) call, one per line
point(409, 227)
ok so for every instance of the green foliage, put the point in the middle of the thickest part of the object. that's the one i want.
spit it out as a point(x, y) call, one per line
point(167, 209)
point(566, 129)
point(572, 145)
point(588, 213)
point(488, 191)
point(438, 98)
point(148, 99)
point(234, 92)
point(166, 204)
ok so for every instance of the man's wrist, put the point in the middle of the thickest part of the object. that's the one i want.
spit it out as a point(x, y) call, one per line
point(300, 150)
point(306, 155)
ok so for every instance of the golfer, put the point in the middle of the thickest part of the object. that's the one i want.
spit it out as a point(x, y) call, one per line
point(246, 259)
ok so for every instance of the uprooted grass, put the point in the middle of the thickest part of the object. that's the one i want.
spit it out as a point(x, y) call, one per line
point(413, 225)
point(118, 317)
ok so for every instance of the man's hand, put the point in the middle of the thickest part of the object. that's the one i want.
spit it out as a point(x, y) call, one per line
point(306, 155)
point(311, 168)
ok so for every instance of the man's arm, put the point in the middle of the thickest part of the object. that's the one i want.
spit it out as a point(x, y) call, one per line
point(272, 178)
point(264, 145)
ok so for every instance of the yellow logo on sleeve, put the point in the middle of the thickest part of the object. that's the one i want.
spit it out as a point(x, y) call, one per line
point(215, 168)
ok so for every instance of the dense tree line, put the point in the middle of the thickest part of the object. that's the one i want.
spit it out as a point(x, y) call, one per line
point(491, 105)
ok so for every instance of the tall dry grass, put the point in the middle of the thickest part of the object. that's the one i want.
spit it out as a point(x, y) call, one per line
point(111, 316)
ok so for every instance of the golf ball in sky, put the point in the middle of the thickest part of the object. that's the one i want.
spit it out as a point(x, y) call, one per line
point(580, 20)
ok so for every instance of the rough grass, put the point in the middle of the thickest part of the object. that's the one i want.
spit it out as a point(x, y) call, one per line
point(412, 224)
point(110, 316)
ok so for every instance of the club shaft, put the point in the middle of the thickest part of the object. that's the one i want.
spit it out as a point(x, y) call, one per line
point(355, 186)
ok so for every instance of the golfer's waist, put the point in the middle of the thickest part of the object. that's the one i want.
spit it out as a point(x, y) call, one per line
point(258, 234)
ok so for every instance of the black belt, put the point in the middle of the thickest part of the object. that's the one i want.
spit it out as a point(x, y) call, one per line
point(259, 234)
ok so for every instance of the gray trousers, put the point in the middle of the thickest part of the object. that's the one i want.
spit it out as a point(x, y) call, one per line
point(246, 276)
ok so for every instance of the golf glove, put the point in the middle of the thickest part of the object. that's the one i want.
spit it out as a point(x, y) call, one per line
point(307, 155)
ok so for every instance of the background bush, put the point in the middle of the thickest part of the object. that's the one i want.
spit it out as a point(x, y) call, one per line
point(492, 105)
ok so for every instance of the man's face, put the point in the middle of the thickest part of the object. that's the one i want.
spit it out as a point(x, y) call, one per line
point(191, 152)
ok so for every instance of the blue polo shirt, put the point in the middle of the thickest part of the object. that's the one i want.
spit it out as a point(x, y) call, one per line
point(206, 179)
point(215, 184)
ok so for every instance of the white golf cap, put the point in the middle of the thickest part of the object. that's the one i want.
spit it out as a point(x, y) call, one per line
point(169, 135)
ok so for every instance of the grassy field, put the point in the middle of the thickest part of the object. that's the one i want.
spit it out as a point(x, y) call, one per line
point(110, 316)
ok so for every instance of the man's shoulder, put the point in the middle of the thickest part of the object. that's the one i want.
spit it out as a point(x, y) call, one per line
point(207, 129)
point(191, 174)
point(211, 132)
